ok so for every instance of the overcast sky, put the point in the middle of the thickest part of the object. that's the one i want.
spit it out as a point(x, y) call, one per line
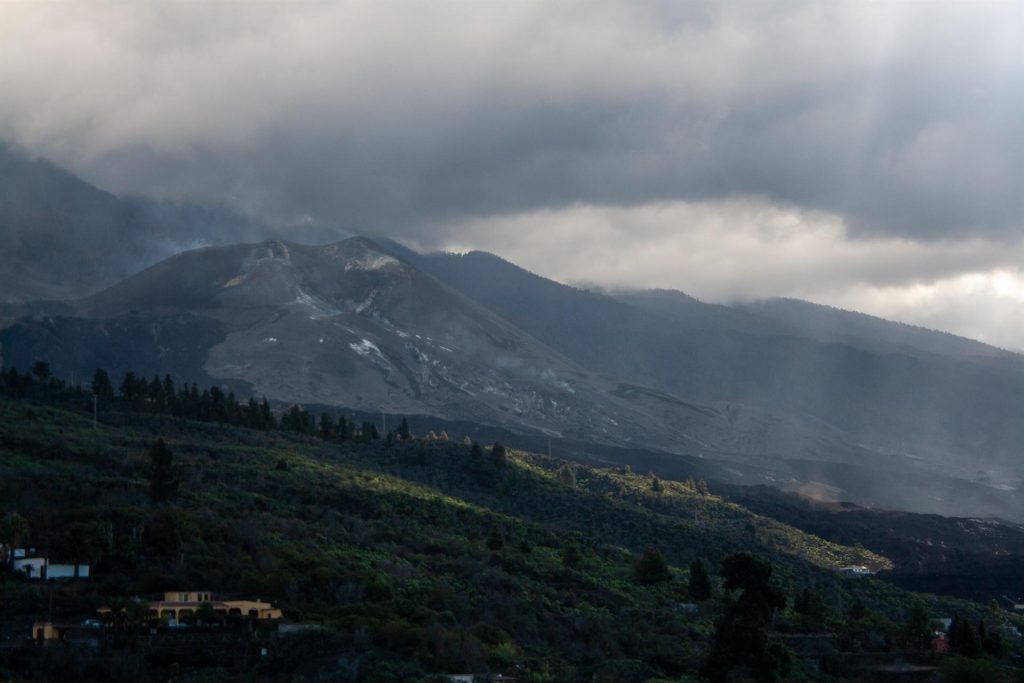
point(867, 155)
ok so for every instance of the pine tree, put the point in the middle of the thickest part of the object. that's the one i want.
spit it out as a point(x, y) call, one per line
point(163, 485)
point(101, 385)
point(205, 406)
point(296, 419)
point(327, 426)
point(962, 638)
point(156, 395)
point(498, 454)
point(567, 475)
point(991, 642)
point(403, 430)
point(41, 371)
point(128, 386)
point(346, 428)
point(700, 582)
point(169, 393)
point(267, 420)
point(740, 638)
point(369, 432)
point(252, 414)
point(918, 626)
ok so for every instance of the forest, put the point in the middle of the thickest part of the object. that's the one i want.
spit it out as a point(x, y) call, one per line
point(408, 558)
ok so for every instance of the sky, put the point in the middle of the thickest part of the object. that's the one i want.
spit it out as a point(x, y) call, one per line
point(868, 155)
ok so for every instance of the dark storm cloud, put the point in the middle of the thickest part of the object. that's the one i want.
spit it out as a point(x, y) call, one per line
point(903, 119)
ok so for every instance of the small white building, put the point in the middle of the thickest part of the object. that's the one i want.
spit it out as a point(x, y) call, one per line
point(39, 567)
point(855, 570)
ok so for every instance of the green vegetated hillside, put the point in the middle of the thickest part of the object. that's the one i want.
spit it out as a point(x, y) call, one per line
point(978, 559)
point(419, 558)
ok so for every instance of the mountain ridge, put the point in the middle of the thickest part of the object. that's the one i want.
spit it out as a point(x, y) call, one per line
point(362, 325)
point(806, 397)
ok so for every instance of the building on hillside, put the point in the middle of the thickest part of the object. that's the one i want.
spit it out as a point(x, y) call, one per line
point(37, 565)
point(44, 631)
point(855, 570)
point(178, 605)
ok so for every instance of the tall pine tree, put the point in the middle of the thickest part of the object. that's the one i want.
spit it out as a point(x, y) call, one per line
point(163, 484)
point(700, 582)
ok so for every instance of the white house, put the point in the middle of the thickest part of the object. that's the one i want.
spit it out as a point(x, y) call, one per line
point(855, 570)
point(40, 567)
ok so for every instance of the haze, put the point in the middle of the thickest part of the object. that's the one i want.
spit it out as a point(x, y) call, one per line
point(865, 155)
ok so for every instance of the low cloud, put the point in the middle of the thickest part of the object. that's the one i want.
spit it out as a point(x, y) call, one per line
point(905, 119)
point(867, 154)
point(747, 248)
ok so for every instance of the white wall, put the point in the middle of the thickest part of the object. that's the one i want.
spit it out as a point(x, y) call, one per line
point(53, 571)
point(34, 563)
point(67, 571)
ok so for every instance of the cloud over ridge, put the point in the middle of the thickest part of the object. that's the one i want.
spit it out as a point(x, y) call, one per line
point(889, 135)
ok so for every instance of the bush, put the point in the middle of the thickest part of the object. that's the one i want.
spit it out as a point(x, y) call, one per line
point(651, 568)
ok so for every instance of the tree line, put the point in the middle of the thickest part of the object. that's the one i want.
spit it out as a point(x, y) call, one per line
point(166, 397)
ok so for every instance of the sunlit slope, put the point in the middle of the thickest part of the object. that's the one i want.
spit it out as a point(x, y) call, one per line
point(416, 545)
point(909, 402)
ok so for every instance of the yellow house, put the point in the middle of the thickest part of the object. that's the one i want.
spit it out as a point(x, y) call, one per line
point(178, 604)
point(43, 631)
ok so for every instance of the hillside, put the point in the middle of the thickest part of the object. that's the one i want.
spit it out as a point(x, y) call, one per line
point(835, 325)
point(373, 327)
point(64, 238)
point(417, 557)
point(348, 324)
point(977, 559)
point(344, 324)
point(887, 402)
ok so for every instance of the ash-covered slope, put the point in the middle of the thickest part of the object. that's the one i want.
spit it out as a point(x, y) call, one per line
point(348, 324)
point(361, 326)
point(919, 395)
point(351, 324)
